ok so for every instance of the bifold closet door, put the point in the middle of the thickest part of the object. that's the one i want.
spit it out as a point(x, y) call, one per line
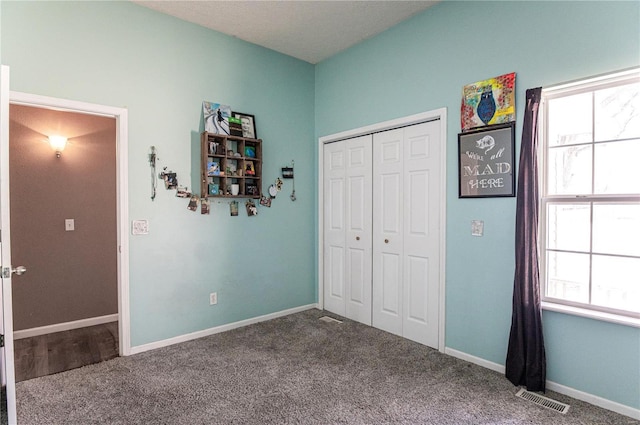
point(347, 228)
point(406, 202)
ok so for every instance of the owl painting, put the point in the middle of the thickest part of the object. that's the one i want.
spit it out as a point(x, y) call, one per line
point(488, 102)
point(487, 106)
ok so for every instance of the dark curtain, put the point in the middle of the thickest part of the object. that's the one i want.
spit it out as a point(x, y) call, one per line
point(526, 363)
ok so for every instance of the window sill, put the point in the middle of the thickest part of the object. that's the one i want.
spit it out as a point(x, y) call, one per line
point(592, 314)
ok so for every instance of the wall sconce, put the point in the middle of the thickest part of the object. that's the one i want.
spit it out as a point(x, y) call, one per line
point(57, 144)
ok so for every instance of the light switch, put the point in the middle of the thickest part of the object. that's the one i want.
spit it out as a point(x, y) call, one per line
point(477, 227)
point(140, 227)
point(69, 225)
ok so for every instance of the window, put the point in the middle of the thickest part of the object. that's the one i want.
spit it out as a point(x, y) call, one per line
point(590, 194)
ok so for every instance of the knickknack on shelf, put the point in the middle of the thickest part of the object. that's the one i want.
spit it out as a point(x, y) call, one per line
point(231, 166)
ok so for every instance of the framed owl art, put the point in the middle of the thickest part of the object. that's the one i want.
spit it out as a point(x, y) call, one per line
point(488, 102)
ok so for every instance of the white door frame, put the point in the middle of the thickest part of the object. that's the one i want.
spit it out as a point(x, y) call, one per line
point(122, 197)
point(435, 114)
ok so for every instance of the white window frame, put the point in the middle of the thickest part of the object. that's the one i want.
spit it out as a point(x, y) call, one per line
point(561, 305)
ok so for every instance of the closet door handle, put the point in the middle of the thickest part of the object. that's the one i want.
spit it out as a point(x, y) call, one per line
point(357, 238)
point(386, 241)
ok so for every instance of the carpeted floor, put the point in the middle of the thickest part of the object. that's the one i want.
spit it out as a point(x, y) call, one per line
point(291, 370)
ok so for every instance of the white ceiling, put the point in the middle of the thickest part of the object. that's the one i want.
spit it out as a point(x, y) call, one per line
point(305, 29)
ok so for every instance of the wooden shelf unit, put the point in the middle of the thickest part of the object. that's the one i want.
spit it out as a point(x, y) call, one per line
point(223, 150)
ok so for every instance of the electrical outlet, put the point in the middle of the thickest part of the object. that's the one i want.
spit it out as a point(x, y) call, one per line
point(213, 298)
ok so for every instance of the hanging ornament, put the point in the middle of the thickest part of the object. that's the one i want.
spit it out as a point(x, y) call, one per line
point(251, 208)
point(265, 201)
point(233, 208)
point(153, 157)
point(273, 191)
point(193, 203)
point(204, 206)
point(293, 180)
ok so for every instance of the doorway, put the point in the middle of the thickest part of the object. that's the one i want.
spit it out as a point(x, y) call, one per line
point(63, 209)
point(121, 174)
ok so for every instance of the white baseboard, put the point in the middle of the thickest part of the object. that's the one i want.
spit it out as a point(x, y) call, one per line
point(595, 400)
point(553, 386)
point(218, 329)
point(66, 326)
point(473, 359)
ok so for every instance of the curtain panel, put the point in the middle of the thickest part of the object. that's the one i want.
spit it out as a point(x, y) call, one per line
point(526, 361)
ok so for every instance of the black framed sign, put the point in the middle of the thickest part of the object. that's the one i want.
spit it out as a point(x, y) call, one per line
point(486, 162)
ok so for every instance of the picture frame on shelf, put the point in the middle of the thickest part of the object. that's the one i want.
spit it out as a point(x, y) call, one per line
point(252, 189)
point(248, 123)
point(486, 160)
point(250, 151)
point(213, 168)
point(216, 117)
point(249, 169)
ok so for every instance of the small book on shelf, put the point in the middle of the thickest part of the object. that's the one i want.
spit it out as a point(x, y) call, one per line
point(235, 126)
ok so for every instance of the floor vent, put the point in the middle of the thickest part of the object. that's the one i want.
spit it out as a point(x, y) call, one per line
point(543, 401)
point(329, 319)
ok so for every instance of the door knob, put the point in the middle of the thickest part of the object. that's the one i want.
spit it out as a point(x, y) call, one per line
point(20, 270)
point(386, 241)
point(357, 238)
point(8, 271)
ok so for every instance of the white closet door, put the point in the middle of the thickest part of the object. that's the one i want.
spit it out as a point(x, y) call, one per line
point(406, 202)
point(347, 224)
point(387, 230)
point(334, 227)
point(422, 188)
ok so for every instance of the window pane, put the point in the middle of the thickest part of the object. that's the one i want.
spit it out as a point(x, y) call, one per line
point(569, 170)
point(568, 276)
point(570, 120)
point(616, 282)
point(568, 226)
point(617, 112)
point(616, 229)
point(616, 166)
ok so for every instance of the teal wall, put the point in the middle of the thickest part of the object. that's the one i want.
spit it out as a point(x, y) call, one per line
point(161, 69)
point(421, 65)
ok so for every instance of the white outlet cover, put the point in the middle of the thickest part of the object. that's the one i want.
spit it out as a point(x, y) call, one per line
point(140, 227)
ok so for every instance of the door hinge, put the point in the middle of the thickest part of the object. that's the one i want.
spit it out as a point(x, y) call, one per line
point(1, 340)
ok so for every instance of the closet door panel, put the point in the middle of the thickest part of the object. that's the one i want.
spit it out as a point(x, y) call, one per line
point(387, 231)
point(358, 228)
point(421, 242)
point(334, 228)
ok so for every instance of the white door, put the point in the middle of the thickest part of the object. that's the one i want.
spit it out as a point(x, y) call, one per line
point(406, 260)
point(388, 235)
point(6, 319)
point(347, 225)
point(421, 256)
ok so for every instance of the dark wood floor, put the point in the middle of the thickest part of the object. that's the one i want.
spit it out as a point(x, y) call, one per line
point(52, 353)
